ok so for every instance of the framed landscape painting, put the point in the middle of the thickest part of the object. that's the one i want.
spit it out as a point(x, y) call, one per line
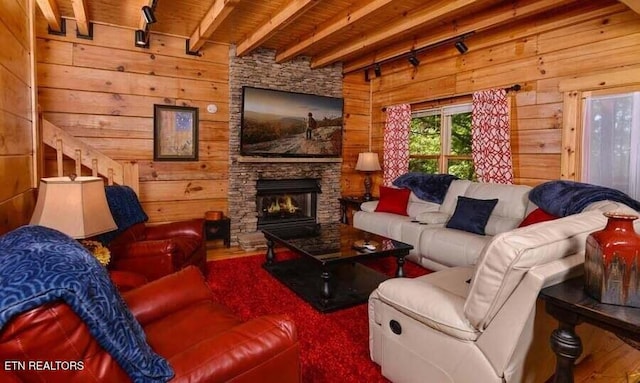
point(175, 133)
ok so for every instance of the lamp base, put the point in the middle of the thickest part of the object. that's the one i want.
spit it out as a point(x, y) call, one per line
point(367, 186)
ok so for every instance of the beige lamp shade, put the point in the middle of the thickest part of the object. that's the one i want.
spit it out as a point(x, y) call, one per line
point(77, 208)
point(368, 162)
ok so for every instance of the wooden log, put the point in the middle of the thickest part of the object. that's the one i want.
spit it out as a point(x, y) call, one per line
point(15, 180)
point(95, 80)
point(155, 191)
point(99, 57)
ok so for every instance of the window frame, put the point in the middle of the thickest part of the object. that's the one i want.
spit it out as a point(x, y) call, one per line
point(446, 127)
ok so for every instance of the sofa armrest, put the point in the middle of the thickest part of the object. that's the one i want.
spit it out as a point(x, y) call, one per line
point(167, 294)
point(189, 228)
point(142, 249)
point(269, 342)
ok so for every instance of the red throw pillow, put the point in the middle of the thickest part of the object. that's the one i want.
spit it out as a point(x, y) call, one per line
point(393, 200)
point(536, 216)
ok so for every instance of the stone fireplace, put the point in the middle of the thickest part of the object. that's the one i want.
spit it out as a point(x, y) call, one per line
point(260, 70)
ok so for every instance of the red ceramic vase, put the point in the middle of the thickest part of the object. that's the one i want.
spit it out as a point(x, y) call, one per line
point(612, 258)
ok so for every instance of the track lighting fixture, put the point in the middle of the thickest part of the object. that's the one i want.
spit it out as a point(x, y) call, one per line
point(377, 70)
point(147, 13)
point(413, 59)
point(461, 47)
point(141, 39)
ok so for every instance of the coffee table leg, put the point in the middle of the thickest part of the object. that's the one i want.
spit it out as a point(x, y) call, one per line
point(400, 270)
point(326, 291)
point(271, 255)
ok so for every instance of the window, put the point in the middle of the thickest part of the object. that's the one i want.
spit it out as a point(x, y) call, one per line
point(611, 141)
point(440, 141)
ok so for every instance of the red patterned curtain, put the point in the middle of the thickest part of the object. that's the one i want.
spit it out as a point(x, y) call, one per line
point(396, 142)
point(491, 143)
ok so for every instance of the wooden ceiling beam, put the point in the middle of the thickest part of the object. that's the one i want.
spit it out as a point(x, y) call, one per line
point(51, 13)
point(290, 12)
point(409, 21)
point(345, 20)
point(80, 13)
point(476, 23)
point(218, 12)
point(633, 4)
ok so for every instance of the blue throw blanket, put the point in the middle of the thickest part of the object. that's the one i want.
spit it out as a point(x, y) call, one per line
point(427, 187)
point(125, 209)
point(40, 265)
point(563, 198)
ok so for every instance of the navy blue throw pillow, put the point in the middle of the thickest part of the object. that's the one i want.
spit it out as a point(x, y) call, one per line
point(472, 214)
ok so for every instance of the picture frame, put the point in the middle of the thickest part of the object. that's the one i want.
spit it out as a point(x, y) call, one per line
point(175, 133)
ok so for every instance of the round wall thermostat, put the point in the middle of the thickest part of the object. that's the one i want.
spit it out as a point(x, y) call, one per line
point(212, 108)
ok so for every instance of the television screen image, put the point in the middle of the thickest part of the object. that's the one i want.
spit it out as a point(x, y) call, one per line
point(287, 124)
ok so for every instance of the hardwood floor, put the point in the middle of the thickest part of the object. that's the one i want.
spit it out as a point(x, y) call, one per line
point(613, 361)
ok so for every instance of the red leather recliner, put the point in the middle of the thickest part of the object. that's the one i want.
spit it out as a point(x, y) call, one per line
point(202, 340)
point(156, 251)
point(152, 251)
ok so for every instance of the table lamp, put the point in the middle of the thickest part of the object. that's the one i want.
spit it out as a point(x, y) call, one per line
point(76, 206)
point(368, 162)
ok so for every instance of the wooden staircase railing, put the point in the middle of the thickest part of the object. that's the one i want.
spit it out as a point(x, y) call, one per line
point(84, 155)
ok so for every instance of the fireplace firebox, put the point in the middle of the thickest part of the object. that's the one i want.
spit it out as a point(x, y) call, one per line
point(287, 203)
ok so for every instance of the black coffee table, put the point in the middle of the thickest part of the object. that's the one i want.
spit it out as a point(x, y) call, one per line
point(327, 274)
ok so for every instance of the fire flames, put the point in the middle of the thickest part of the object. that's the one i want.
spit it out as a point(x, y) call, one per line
point(284, 204)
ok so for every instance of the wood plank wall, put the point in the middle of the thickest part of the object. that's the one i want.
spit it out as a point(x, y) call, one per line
point(538, 53)
point(103, 91)
point(17, 195)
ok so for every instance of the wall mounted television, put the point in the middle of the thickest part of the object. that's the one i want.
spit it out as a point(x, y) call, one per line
point(276, 123)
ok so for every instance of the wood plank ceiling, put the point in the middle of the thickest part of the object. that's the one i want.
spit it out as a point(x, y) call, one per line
point(357, 33)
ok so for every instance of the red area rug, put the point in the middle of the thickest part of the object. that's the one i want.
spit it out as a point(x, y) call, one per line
point(334, 346)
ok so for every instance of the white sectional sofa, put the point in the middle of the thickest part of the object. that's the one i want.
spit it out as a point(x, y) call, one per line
point(435, 246)
point(478, 318)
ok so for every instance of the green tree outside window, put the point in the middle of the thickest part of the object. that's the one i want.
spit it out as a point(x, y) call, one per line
point(440, 141)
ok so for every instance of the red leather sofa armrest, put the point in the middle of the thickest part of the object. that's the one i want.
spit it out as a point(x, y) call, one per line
point(167, 294)
point(270, 342)
point(190, 228)
point(144, 249)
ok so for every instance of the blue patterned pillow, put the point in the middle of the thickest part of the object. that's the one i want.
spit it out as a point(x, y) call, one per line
point(40, 265)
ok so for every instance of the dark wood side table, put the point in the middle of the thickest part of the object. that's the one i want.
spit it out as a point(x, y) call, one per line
point(218, 229)
point(570, 305)
point(350, 203)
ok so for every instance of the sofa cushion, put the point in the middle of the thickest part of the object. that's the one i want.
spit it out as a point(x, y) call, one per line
point(432, 217)
point(510, 255)
point(471, 214)
point(393, 200)
point(451, 247)
point(386, 224)
point(369, 206)
point(435, 299)
point(457, 188)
